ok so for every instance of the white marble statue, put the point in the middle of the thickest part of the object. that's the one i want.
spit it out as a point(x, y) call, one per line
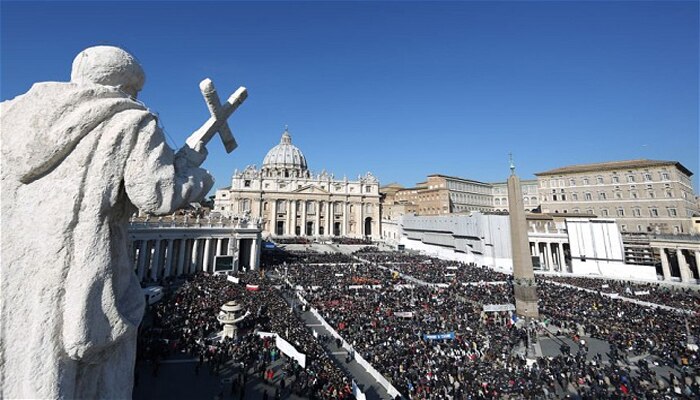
point(78, 158)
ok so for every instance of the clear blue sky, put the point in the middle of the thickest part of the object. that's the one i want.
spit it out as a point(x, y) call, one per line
point(402, 89)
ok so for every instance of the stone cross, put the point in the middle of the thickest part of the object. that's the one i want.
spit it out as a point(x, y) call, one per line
point(219, 116)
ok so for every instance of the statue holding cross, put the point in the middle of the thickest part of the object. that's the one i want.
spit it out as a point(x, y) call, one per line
point(79, 158)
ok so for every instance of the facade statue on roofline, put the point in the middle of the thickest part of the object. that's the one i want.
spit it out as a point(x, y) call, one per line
point(79, 158)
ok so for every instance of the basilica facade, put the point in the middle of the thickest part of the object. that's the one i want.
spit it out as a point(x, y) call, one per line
point(292, 201)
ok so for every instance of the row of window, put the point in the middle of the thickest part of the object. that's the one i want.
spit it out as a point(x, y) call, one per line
point(620, 212)
point(588, 196)
point(600, 180)
point(526, 200)
point(467, 187)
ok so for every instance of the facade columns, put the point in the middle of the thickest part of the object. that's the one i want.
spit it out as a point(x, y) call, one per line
point(317, 225)
point(293, 225)
point(207, 254)
point(303, 218)
point(361, 206)
point(272, 218)
point(143, 251)
point(346, 217)
point(686, 274)
point(253, 254)
point(697, 260)
point(155, 263)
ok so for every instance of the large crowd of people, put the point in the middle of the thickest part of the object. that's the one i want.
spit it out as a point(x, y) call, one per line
point(668, 295)
point(186, 322)
point(387, 323)
point(437, 341)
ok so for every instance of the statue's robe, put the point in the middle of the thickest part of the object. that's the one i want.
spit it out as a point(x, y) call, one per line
point(77, 161)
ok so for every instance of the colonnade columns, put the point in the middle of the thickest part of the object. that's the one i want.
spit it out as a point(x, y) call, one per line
point(548, 256)
point(562, 261)
point(536, 252)
point(181, 256)
point(317, 225)
point(143, 252)
point(169, 258)
point(155, 262)
point(686, 274)
point(205, 261)
point(665, 267)
point(195, 254)
point(219, 246)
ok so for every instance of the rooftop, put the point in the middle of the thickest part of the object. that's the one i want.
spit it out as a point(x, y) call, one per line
point(614, 165)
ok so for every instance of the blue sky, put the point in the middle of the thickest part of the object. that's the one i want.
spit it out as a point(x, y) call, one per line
point(402, 89)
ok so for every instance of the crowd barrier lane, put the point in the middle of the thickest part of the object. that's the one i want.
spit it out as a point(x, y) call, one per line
point(358, 358)
point(357, 392)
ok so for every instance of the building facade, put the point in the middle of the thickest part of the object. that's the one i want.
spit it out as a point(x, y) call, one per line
point(291, 201)
point(530, 196)
point(561, 244)
point(642, 195)
point(442, 194)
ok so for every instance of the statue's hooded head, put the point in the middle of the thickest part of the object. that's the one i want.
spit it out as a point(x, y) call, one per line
point(109, 66)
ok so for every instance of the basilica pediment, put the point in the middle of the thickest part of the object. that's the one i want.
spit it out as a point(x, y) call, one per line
point(310, 189)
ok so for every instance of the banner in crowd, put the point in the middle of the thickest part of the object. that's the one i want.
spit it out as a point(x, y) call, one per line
point(252, 287)
point(404, 314)
point(498, 307)
point(232, 279)
point(439, 336)
point(605, 286)
point(286, 348)
point(351, 287)
point(441, 285)
point(339, 275)
point(640, 292)
point(404, 286)
point(450, 275)
point(453, 268)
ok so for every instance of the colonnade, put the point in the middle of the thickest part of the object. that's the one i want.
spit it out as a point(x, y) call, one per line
point(159, 258)
point(685, 262)
point(551, 255)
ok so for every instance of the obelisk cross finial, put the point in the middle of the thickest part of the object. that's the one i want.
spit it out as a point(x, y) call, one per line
point(512, 165)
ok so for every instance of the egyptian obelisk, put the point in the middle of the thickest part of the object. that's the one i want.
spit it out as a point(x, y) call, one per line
point(523, 274)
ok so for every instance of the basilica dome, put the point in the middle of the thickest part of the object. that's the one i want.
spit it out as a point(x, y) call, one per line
point(285, 159)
